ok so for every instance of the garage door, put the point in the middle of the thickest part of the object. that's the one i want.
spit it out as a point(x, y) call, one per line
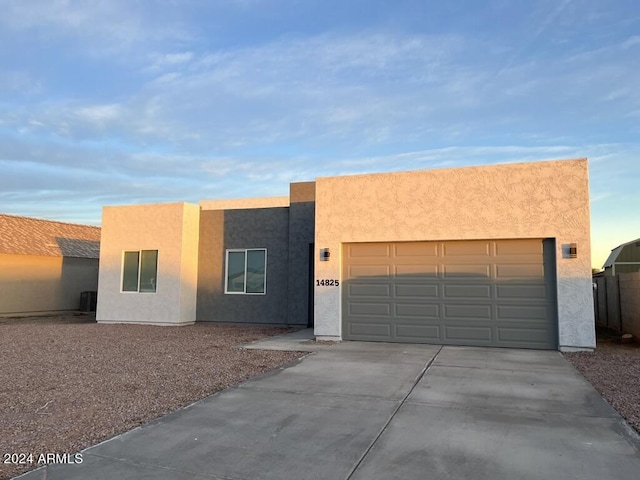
point(491, 293)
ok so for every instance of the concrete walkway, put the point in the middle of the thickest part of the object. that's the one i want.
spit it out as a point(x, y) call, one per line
point(383, 411)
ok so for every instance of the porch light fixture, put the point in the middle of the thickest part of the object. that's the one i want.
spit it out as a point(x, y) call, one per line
point(573, 250)
point(325, 254)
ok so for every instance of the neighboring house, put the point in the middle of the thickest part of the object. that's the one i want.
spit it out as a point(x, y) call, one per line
point(45, 265)
point(495, 256)
point(624, 258)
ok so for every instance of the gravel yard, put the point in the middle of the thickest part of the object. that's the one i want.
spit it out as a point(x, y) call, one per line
point(67, 383)
point(614, 370)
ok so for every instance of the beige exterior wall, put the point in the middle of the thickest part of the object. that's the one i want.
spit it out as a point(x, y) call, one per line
point(630, 302)
point(34, 283)
point(240, 203)
point(527, 200)
point(173, 230)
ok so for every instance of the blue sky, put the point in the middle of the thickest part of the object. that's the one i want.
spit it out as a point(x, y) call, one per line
point(117, 102)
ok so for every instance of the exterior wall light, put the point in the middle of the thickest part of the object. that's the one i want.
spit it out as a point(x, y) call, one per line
point(325, 254)
point(573, 250)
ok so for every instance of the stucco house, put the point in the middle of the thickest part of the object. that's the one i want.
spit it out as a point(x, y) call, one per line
point(45, 265)
point(494, 256)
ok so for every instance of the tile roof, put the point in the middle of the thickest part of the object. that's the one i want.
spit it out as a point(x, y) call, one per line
point(32, 236)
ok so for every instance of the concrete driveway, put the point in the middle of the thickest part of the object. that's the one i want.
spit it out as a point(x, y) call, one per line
point(383, 411)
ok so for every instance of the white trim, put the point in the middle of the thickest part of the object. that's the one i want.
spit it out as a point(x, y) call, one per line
point(226, 271)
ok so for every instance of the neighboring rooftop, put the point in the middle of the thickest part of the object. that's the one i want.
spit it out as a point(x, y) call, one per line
point(33, 236)
point(627, 253)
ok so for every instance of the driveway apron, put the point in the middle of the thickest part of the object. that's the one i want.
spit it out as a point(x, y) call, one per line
point(383, 411)
point(482, 413)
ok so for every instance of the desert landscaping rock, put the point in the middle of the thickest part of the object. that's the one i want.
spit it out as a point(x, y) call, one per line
point(614, 370)
point(67, 382)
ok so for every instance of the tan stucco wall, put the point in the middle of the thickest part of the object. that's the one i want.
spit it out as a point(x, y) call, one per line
point(173, 230)
point(239, 203)
point(526, 200)
point(300, 192)
point(33, 283)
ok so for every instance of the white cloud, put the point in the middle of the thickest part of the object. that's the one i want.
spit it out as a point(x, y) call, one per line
point(96, 28)
point(19, 82)
point(353, 91)
point(162, 61)
point(99, 115)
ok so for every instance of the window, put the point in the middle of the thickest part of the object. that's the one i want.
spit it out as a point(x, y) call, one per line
point(246, 271)
point(139, 271)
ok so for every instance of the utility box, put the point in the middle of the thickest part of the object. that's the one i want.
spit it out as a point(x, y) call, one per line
point(88, 301)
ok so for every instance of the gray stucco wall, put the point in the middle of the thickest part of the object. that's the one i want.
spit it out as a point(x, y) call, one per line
point(301, 234)
point(244, 228)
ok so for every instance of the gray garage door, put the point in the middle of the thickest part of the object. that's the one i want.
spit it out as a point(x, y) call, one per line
point(491, 293)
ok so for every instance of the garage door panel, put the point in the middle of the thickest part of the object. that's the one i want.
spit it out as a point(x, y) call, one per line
point(416, 271)
point(490, 293)
point(467, 271)
point(417, 310)
point(522, 335)
point(356, 271)
point(522, 312)
point(453, 249)
point(412, 332)
point(521, 292)
point(375, 290)
point(474, 312)
point(520, 259)
point(518, 248)
point(466, 333)
point(416, 250)
point(373, 330)
point(416, 290)
point(369, 250)
point(467, 291)
point(505, 271)
point(369, 309)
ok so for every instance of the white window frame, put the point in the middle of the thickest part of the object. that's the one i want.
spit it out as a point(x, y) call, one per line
point(122, 290)
point(246, 256)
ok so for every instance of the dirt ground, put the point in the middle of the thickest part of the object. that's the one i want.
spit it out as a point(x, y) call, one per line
point(67, 382)
point(614, 370)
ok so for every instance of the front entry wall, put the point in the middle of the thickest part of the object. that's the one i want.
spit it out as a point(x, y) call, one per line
point(253, 228)
point(513, 201)
point(488, 293)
